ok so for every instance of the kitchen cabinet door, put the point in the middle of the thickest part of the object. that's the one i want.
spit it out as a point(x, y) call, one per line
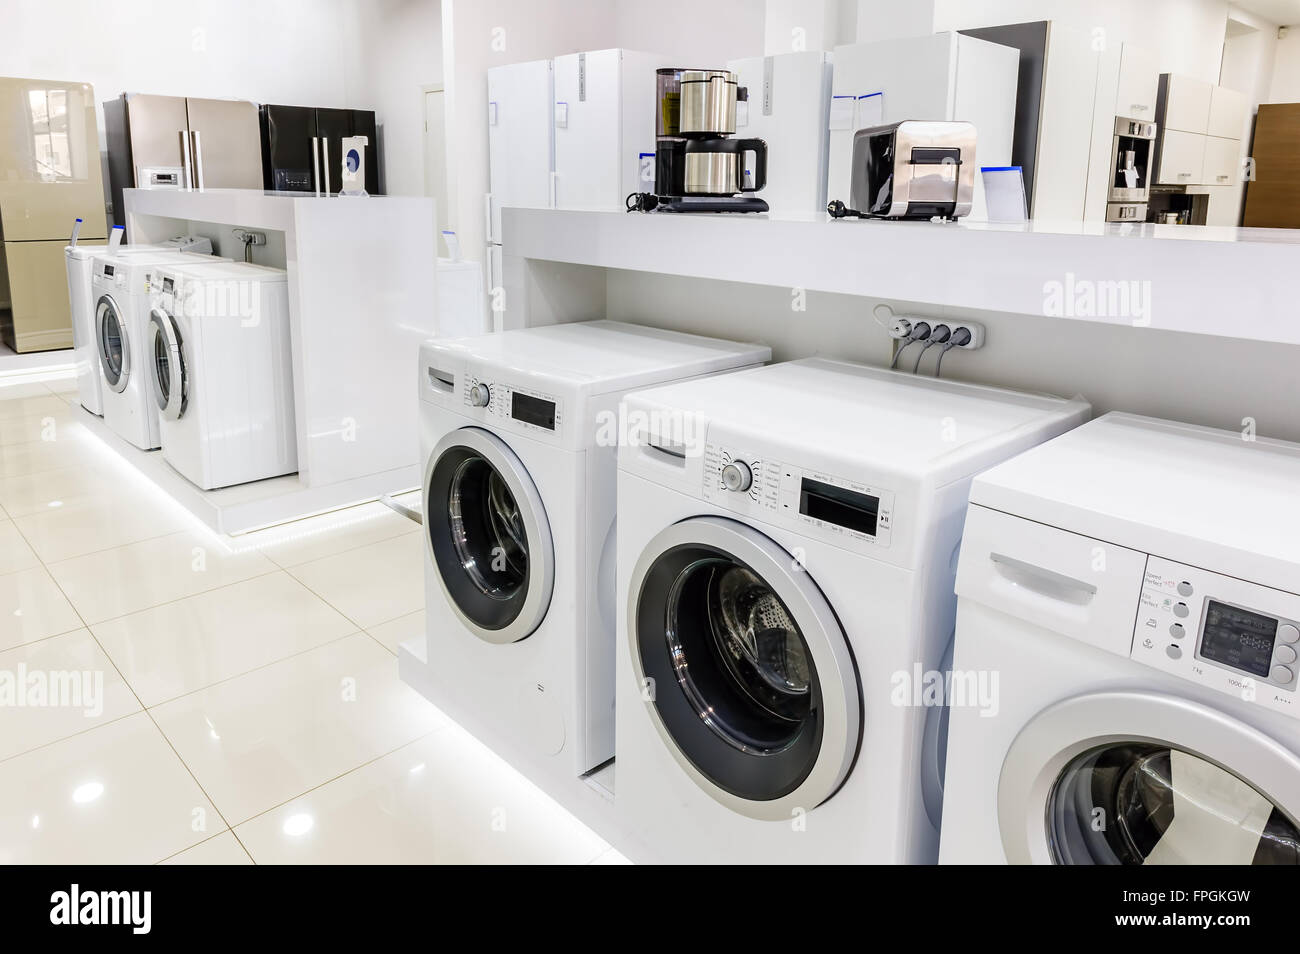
point(1220, 164)
point(1228, 109)
point(1139, 81)
point(1182, 158)
point(1187, 104)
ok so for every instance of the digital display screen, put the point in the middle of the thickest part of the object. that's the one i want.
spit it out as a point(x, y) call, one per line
point(108, 270)
point(1238, 638)
point(844, 508)
point(533, 410)
point(167, 285)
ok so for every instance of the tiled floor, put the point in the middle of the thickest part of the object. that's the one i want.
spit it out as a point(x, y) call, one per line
point(223, 700)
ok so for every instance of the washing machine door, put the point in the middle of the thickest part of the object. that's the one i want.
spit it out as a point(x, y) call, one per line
point(744, 667)
point(488, 536)
point(169, 377)
point(113, 343)
point(1138, 778)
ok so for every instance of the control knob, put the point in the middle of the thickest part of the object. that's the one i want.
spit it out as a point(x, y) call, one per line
point(737, 477)
point(480, 395)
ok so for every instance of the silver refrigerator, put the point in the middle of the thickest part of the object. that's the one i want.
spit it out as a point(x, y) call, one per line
point(181, 142)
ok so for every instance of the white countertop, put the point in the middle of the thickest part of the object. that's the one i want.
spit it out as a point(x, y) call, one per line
point(1204, 280)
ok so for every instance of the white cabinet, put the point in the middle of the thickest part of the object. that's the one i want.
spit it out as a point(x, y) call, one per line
point(1228, 111)
point(788, 108)
point(1182, 158)
point(1186, 103)
point(520, 151)
point(1220, 164)
point(946, 76)
point(1139, 79)
point(604, 119)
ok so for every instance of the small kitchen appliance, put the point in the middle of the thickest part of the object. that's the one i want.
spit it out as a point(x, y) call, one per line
point(911, 170)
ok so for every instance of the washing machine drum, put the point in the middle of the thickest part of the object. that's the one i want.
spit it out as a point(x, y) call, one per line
point(114, 345)
point(749, 676)
point(488, 536)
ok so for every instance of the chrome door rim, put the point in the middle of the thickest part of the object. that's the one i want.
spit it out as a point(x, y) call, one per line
point(172, 404)
point(107, 302)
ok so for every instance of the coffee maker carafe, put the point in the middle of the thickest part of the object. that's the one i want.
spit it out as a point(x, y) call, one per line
point(698, 168)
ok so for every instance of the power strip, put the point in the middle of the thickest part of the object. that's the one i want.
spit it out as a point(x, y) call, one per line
point(900, 329)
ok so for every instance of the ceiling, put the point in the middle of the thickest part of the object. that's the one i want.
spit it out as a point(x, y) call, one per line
point(1284, 12)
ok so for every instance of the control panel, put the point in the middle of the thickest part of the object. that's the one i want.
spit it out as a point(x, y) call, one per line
point(527, 409)
point(1238, 637)
point(826, 506)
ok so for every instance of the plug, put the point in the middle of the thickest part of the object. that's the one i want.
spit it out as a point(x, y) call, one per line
point(961, 337)
point(940, 334)
point(920, 331)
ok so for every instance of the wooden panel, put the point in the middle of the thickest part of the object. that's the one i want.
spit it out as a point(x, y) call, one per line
point(1273, 198)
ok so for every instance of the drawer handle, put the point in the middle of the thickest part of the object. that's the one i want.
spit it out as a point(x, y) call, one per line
point(1045, 582)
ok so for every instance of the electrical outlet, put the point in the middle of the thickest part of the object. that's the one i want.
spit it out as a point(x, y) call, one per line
point(976, 333)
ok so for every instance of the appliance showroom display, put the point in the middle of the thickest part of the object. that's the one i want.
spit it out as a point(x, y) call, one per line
point(1135, 586)
point(81, 265)
point(699, 167)
point(120, 287)
point(785, 573)
point(787, 106)
point(520, 432)
point(302, 147)
point(49, 154)
point(221, 372)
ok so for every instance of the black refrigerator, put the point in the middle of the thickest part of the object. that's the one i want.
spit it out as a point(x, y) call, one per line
point(288, 135)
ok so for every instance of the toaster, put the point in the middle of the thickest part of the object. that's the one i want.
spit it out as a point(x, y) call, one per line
point(913, 169)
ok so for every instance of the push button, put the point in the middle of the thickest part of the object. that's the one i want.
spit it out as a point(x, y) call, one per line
point(1285, 654)
point(1174, 651)
point(1288, 633)
point(1180, 610)
point(1282, 675)
point(1184, 588)
point(1177, 631)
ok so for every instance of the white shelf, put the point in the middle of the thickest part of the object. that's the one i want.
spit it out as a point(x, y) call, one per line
point(1204, 280)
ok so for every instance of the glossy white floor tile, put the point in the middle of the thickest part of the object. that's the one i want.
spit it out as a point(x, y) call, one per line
point(189, 644)
point(444, 799)
point(371, 584)
point(116, 794)
point(55, 688)
point(265, 666)
point(32, 607)
point(224, 849)
point(397, 631)
point(112, 583)
point(259, 740)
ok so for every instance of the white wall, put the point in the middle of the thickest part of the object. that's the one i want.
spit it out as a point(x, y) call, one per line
point(1285, 86)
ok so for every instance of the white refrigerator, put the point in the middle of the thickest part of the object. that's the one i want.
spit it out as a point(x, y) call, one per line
point(604, 119)
point(521, 148)
point(788, 108)
point(946, 76)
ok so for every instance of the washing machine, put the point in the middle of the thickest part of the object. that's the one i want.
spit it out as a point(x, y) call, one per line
point(220, 372)
point(519, 434)
point(787, 545)
point(1135, 586)
point(120, 288)
point(80, 265)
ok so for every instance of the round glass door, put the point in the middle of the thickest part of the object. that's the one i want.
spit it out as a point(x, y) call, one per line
point(753, 685)
point(1135, 778)
point(1164, 806)
point(170, 383)
point(114, 348)
point(488, 536)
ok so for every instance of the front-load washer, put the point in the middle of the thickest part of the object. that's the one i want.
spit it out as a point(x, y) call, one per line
point(787, 544)
point(519, 434)
point(1135, 586)
point(80, 264)
point(220, 372)
point(120, 286)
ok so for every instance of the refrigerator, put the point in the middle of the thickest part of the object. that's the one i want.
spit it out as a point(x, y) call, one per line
point(181, 142)
point(49, 177)
point(521, 148)
point(604, 125)
point(788, 107)
point(302, 147)
point(945, 76)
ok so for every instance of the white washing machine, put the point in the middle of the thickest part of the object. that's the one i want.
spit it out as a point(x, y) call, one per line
point(1135, 584)
point(519, 433)
point(120, 288)
point(220, 372)
point(787, 544)
point(80, 263)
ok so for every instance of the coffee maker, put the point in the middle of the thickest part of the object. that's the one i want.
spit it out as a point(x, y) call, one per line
point(698, 166)
point(1132, 156)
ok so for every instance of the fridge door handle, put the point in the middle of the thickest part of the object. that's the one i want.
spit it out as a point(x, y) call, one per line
point(487, 214)
point(187, 170)
point(315, 163)
point(552, 198)
point(325, 161)
point(197, 145)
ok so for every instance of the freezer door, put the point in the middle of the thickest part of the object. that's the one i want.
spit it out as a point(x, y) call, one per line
point(155, 125)
point(520, 138)
point(229, 148)
point(49, 163)
point(363, 124)
point(287, 132)
point(588, 163)
point(41, 318)
point(332, 125)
